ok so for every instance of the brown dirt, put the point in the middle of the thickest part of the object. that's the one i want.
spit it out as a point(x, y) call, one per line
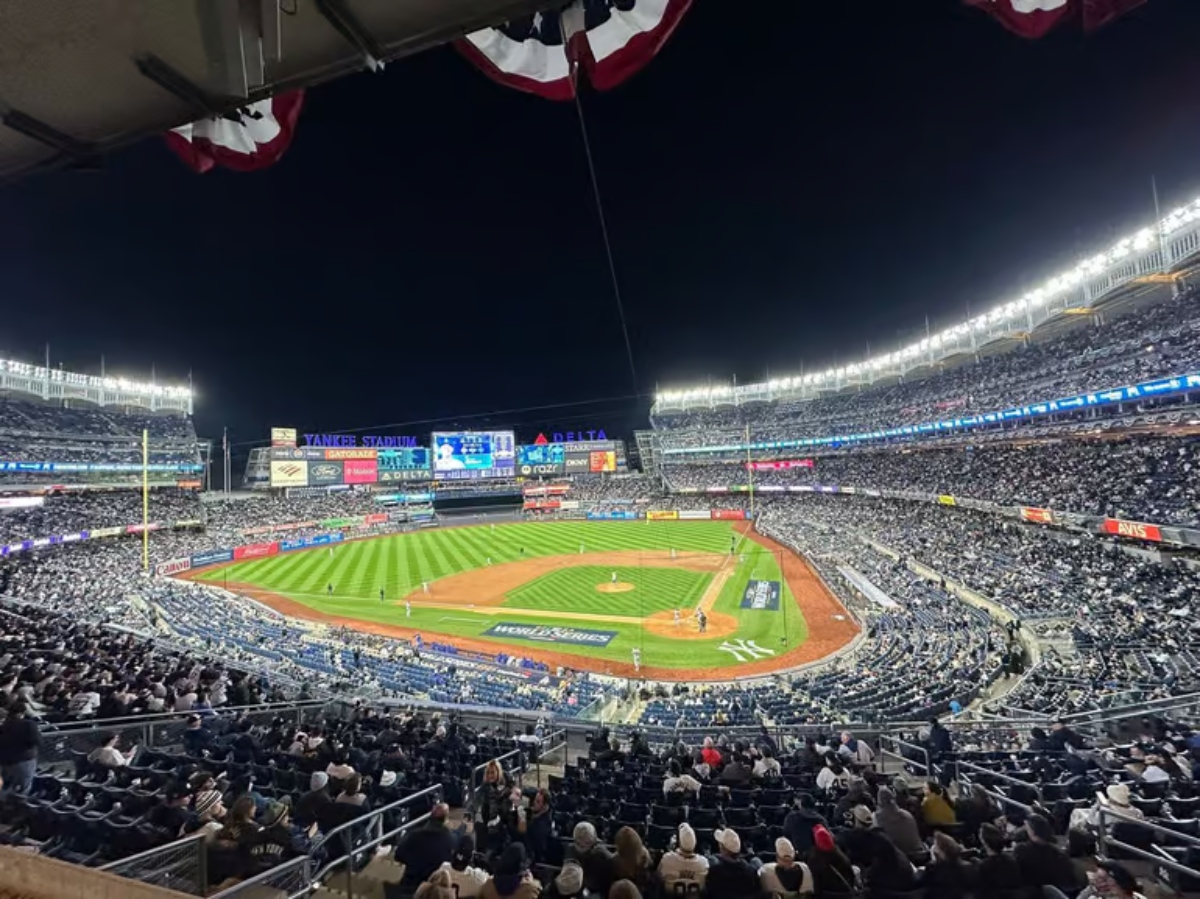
point(663, 624)
point(489, 586)
point(618, 587)
point(826, 634)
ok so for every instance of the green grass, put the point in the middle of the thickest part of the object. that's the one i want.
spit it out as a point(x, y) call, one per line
point(574, 590)
point(399, 563)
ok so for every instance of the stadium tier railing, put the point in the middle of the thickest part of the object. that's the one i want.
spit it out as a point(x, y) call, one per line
point(181, 866)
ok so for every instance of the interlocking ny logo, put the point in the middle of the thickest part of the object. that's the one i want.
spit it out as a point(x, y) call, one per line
point(745, 648)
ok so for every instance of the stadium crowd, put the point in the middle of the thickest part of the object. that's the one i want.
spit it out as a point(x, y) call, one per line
point(1154, 479)
point(1145, 343)
point(87, 510)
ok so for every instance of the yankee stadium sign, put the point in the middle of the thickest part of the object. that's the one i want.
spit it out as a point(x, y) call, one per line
point(349, 440)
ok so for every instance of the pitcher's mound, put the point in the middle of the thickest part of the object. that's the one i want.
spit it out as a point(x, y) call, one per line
point(618, 587)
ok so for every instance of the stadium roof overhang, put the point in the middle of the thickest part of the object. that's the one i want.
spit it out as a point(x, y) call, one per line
point(78, 79)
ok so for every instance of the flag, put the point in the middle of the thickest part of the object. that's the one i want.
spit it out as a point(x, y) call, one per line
point(1035, 18)
point(249, 138)
point(607, 40)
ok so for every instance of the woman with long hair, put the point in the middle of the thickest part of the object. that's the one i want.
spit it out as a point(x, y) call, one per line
point(632, 861)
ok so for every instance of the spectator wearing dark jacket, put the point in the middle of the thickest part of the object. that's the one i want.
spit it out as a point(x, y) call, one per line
point(997, 873)
point(424, 850)
point(947, 876)
point(19, 745)
point(729, 875)
point(1042, 863)
point(799, 823)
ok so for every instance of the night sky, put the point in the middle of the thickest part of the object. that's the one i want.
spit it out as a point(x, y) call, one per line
point(781, 189)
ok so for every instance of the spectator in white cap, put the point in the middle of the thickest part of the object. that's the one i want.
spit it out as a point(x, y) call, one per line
point(682, 864)
point(785, 875)
point(729, 875)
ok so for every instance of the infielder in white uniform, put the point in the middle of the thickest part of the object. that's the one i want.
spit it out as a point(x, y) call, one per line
point(637, 660)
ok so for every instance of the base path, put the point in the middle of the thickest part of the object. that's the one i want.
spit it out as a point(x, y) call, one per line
point(489, 586)
point(830, 627)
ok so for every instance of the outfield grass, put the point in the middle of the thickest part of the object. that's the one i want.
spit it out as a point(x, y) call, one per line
point(398, 564)
point(574, 590)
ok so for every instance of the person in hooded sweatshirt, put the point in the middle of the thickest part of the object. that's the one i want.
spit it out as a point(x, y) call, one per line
point(593, 857)
point(785, 875)
point(900, 826)
point(511, 878)
point(856, 794)
point(682, 864)
point(800, 821)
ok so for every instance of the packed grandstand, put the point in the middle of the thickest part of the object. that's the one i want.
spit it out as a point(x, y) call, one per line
point(1006, 572)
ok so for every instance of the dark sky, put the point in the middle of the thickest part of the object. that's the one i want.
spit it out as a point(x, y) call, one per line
point(781, 188)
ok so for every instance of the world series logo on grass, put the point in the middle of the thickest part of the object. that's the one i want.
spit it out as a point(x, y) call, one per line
point(551, 634)
point(761, 595)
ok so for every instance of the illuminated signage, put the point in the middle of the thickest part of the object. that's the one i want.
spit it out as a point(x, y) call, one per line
point(570, 437)
point(355, 440)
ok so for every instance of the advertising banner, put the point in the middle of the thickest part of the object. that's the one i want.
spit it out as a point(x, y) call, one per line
point(256, 550)
point(107, 532)
point(782, 465)
point(289, 474)
point(541, 459)
point(695, 515)
point(322, 474)
point(545, 505)
point(548, 490)
point(375, 518)
point(602, 461)
point(577, 464)
point(283, 437)
point(188, 485)
point(212, 557)
point(612, 515)
point(728, 515)
point(360, 471)
point(1135, 529)
point(173, 566)
point(338, 523)
point(1042, 516)
point(274, 528)
point(297, 454)
point(540, 634)
point(416, 474)
point(569, 504)
point(21, 502)
point(358, 453)
point(945, 500)
point(660, 515)
point(762, 595)
point(138, 528)
point(306, 542)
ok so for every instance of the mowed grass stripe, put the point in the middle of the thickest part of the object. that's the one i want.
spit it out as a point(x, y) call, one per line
point(574, 590)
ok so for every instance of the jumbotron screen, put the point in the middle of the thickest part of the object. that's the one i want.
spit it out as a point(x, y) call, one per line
point(470, 455)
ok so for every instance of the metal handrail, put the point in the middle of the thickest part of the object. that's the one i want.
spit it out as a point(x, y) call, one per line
point(373, 814)
point(971, 766)
point(266, 877)
point(1103, 812)
point(150, 853)
point(90, 724)
point(899, 756)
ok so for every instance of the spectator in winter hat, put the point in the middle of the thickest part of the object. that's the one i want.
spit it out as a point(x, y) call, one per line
point(831, 870)
point(682, 864)
point(593, 857)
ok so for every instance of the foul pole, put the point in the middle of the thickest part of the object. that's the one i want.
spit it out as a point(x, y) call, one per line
point(750, 471)
point(145, 499)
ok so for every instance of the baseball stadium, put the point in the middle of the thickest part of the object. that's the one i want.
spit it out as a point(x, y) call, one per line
point(586, 595)
point(920, 623)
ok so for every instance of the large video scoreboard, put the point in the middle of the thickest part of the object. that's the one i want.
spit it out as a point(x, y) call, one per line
point(473, 455)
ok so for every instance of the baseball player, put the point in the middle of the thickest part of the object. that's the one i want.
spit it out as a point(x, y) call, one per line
point(381, 594)
point(614, 577)
point(407, 609)
point(425, 587)
point(329, 589)
point(702, 620)
point(637, 660)
point(676, 614)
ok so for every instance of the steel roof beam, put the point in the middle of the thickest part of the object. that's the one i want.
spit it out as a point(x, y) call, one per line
point(348, 26)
